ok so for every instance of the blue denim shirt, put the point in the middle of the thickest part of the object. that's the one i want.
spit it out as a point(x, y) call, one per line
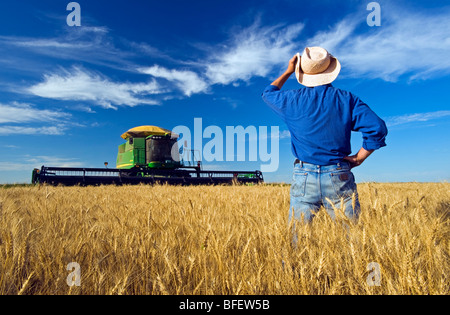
point(321, 119)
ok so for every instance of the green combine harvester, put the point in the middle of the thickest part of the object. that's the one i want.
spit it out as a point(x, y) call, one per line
point(150, 155)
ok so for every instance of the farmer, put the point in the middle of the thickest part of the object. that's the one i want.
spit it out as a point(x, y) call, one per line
point(320, 119)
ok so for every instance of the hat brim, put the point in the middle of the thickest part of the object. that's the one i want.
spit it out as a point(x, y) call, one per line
point(326, 77)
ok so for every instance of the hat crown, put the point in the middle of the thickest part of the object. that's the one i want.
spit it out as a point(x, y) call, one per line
point(315, 60)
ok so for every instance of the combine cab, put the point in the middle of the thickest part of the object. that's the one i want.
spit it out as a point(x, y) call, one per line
point(149, 147)
point(150, 155)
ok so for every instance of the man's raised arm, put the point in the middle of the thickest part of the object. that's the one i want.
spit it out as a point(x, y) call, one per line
point(290, 70)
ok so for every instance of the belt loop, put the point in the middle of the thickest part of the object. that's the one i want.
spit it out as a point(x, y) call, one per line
point(301, 164)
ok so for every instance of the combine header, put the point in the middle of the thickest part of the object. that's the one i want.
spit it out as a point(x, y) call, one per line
point(150, 155)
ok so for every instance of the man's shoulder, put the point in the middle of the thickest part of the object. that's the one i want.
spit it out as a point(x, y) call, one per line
point(274, 90)
point(341, 92)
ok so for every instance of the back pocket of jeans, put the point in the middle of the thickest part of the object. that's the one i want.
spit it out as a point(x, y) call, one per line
point(298, 186)
point(343, 183)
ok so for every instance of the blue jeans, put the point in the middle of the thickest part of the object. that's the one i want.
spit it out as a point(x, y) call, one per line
point(316, 186)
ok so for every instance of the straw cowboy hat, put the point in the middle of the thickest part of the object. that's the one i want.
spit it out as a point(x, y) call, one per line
point(316, 67)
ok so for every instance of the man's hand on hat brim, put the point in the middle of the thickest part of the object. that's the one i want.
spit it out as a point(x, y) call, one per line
point(292, 64)
point(290, 70)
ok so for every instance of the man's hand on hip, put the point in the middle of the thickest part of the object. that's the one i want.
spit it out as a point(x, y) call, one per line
point(358, 159)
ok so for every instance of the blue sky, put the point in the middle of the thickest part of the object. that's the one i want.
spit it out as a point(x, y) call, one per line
point(68, 93)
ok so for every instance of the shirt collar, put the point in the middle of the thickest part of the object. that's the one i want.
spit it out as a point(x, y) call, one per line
point(324, 86)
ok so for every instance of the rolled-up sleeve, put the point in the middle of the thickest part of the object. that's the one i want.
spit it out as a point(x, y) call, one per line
point(372, 127)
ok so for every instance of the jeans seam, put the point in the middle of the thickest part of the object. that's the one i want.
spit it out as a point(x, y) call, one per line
point(320, 185)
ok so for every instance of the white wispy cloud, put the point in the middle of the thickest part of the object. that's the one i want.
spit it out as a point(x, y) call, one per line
point(188, 82)
point(27, 163)
point(22, 113)
point(25, 119)
point(417, 117)
point(78, 41)
point(410, 44)
point(55, 161)
point(87, 44)
point(48, 43)
point(254, 51)
point(285, 134)
point(79, 84)
point(29, 130)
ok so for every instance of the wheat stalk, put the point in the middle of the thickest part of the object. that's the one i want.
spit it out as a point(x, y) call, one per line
point(221, 240)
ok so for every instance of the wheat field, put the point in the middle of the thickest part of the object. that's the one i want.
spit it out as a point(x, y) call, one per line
point(227, 240)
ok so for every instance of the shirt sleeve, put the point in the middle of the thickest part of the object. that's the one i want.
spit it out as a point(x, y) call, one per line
point(372, 127)
point(275, 99)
